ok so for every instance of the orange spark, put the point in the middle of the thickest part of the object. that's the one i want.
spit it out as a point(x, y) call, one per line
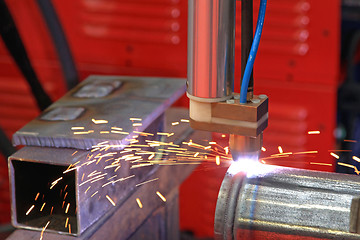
point(102, 143)
point(67, 208)
point(110, 200)
point(334, 155)
point(356, 158)
point(66, 222)
point(139, 202)
point(280, 149)
point(31, 208)
point(185, 120)
point(43, 230)
point(308, 152)
point(350, 166)
point(93, 150)
point(70, 169)
point(135, 119)
point(42, 207)
point(313, 132)
point(226, 150)
point(217, 160)
point(175, 123)
point(322, 164)
point(263, 149)
point(139, 184)
point(281, 154)
point(144, 133)
point(100, 121)
point(81, 133)
point(87, 189)
point(37, 195)
point(161, 196)
point(117, 128)
point(162, 134)
point(55, 182)
point(77, 128)
point(141, 165)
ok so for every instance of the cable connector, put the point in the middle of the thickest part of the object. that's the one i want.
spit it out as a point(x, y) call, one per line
point(249, 119)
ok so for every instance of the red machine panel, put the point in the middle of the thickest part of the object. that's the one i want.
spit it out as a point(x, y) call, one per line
point(310, 107)
point(298, 44)
point(129, 37)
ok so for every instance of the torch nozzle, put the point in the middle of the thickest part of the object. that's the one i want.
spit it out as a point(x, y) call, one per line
point(245, 146)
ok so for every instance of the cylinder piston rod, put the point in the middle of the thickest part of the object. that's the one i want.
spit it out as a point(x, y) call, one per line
point(211, 49)
point(270, 202)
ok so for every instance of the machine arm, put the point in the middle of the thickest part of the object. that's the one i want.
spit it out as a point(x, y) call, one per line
point(213, 105)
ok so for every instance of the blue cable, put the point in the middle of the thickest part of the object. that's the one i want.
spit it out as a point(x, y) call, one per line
point(253, 51)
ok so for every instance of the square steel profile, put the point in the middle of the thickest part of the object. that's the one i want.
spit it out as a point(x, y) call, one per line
point(66, 181)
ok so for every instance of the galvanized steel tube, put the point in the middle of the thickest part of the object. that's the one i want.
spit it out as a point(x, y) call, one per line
point(211, 49)
point(270, 202)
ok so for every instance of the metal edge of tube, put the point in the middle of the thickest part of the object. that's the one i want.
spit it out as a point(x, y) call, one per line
point(227, 200)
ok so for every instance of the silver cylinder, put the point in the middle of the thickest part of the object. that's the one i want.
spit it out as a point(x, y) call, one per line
point(269, 202)
point(211, 49)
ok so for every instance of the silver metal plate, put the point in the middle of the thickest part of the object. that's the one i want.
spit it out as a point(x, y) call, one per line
point(138, 97)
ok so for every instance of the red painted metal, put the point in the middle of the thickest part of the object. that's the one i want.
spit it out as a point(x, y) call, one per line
point(300, 42)
point(4, 192)
point(129, 37)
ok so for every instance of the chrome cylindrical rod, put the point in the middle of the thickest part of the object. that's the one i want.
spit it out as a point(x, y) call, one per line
point(211, 49)
point(258, 201)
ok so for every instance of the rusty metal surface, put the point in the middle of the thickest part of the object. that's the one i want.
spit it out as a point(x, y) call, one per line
point(138, 97)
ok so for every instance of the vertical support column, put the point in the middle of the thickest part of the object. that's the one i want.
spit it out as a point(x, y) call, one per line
point(211, 49)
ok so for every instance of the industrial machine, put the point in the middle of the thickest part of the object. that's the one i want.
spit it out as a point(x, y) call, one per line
point(211, 56)
point(256, 201)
